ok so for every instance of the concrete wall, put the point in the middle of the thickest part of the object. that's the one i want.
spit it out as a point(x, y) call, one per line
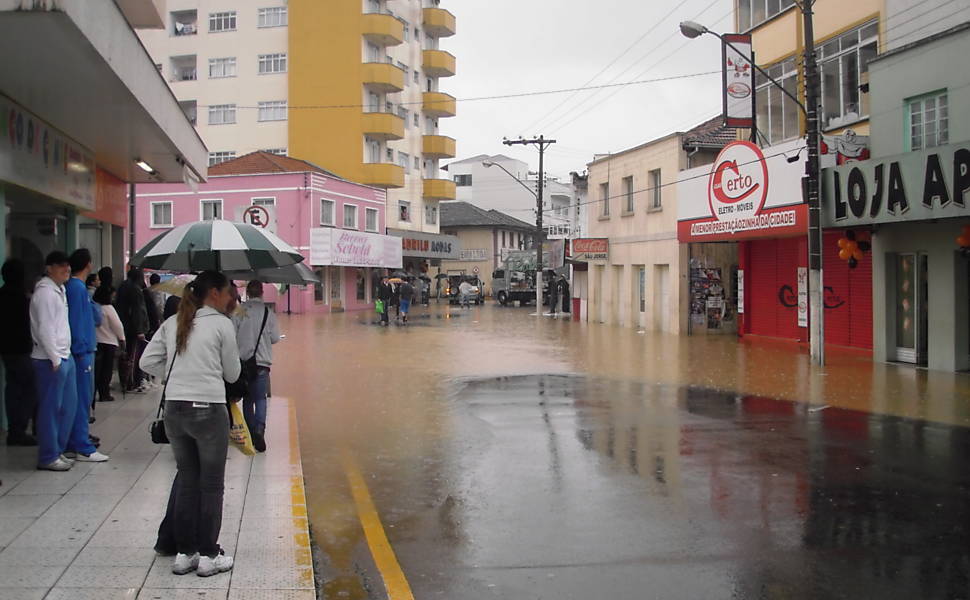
point(948, 336)
point(897, 78)
point(644, 238)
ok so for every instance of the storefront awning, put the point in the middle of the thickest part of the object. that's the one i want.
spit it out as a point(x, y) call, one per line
point(79, 66)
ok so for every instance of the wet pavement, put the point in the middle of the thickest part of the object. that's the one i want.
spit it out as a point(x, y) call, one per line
point(506, 456)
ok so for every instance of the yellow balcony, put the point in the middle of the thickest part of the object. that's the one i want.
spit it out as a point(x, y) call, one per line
point(383, 77)
point(439, 23)
point(384, 175)
point(438, 146)
point(438, 63)
point(439, 104)
point(383, 126)
point(439, 189)
point(383, 30)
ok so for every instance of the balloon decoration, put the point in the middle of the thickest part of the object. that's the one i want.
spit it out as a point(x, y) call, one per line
point(964, 240)
point(852, 250)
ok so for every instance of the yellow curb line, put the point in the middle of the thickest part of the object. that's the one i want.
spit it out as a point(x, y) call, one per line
point(301, 541)
point(394, 581)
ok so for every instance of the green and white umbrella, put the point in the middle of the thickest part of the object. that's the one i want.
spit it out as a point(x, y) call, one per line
point(215, 245)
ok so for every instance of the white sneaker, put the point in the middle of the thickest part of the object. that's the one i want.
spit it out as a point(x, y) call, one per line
point(56, 465)
point(185, 564)
point(212, 566)
point(69, 457)
point(93, 457)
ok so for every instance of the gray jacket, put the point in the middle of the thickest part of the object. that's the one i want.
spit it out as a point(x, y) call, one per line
point(247, 321)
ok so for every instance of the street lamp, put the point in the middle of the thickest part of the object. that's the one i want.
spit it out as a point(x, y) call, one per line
point(692, 30)
point(487, 163)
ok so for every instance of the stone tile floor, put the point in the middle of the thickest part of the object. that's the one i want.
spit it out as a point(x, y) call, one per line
point(88, 532)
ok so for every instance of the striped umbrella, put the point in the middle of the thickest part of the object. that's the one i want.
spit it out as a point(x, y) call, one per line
point(215, 245)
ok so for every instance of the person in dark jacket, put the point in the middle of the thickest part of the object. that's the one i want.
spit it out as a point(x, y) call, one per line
point(15, 346)
point(385, 293)
point(130, 304)
point(171, 307)
point(564, 293)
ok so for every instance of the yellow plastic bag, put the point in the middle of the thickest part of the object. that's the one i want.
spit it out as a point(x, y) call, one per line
point(238, 431)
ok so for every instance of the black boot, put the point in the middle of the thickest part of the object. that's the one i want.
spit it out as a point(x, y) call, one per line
point(259, 442)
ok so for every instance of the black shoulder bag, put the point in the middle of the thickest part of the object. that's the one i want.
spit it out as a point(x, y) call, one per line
point(157, 428)
point(247, 368)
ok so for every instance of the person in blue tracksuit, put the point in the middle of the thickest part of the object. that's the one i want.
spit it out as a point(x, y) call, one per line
point(83, 319)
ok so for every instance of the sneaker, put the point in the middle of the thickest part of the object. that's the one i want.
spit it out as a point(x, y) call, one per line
point(212, 566)
point(57, 465)
point(185, 564)
point(93, 457)
point(69, 456)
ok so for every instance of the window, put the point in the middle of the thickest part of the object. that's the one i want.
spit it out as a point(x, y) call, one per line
point(222, 67)
point(407, 32)
point(184, 22)
point(222, 21)
point(504, 242)
point(404, 159)
point(431, 215)
point(318, 291)
point(272, 111)
point(417, 120)
point(777, 114)
point(161, 214)
point(222, 114)
point(220, 157)
point(350, 216)
point(463, 180)
point(417, 77)
point(361, 284)
point(211, 209)
point(844, 62)
point(264, 202)
point(403, 113)
point(272, 63)
point(754, 12)
point(326, 211)
point(627, 195)
point(929, 121)
point(390, 155)
point(276, 151)
point(605, 199)
point(271, 17)
point(417, 163)
point(373, 151)
point(370, 219)
point(190, 108)
point(183, 67)
point(404, 208)
point(656, 190)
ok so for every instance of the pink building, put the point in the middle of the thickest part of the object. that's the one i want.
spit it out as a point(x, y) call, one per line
point(337, 223)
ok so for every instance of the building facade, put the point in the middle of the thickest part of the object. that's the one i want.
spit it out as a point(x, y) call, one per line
point(362, 100)
point(336, 224)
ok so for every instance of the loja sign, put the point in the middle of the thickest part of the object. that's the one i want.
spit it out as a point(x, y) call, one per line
point(747, 193)
point(931, 184)
point(338, 247)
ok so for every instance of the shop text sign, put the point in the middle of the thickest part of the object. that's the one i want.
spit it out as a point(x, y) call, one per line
point(930, 184)
point(590, 249)
point(38, 157)
point(428, 245)
point(746, 193)
point(338, 247)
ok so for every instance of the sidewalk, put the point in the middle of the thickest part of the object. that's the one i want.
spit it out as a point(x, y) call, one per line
point(88, 532)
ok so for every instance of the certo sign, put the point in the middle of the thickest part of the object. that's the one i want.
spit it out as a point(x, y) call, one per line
point(915, 186)
point(747, 193)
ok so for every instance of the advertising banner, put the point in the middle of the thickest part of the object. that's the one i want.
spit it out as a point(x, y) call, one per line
point(38, 157)
point(474, 254)
point(747, 193)
point(737, 76)
point(590, 249)
point(339, 247)
point(802, 297)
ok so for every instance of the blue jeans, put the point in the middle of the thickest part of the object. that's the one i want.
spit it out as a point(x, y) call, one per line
point(254, 405)
point(84, 380)
point(56, 407)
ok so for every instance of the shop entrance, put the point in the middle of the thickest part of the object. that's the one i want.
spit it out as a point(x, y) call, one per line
point(912, 295)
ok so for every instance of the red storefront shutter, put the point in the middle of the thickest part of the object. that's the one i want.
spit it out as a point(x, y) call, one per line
point(848, 296)
point(773, 280)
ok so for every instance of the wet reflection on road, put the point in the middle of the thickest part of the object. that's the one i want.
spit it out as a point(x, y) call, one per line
point(514, 457)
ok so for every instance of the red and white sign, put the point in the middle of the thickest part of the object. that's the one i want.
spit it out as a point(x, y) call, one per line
point(737, 76)
point(587, 249)
point(747, 193)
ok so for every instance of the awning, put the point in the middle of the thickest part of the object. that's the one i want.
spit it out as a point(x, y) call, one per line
point(79, 66)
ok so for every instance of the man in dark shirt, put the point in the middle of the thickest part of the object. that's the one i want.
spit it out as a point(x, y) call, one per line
point(130, 304)
point(15, 346)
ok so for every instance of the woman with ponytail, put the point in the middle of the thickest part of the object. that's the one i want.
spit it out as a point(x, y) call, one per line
point(196, 351)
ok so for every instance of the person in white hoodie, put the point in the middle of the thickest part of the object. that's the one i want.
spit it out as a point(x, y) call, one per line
point(196, 351)
point(53, 364)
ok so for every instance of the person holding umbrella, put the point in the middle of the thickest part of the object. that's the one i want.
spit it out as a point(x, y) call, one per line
point(384, 294)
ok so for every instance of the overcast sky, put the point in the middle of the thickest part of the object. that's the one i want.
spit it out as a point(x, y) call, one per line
point(516, 46)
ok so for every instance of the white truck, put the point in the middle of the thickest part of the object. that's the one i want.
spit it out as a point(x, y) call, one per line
point(515, 278)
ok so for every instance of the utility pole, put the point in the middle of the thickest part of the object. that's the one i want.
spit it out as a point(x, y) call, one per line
point(540, 142)
point(813, 172)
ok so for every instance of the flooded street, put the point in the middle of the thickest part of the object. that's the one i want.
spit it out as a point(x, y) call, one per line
point(505, 456)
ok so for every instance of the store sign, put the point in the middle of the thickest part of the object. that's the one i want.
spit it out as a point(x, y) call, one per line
point(428, 245)
point(338, 247)
point(590, 249)
point(38, 157)
point(915, 186)
point(747, 193)
point(737, 78)
point(474, 254)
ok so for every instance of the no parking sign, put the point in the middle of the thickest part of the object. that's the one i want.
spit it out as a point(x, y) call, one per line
point(263, 217)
